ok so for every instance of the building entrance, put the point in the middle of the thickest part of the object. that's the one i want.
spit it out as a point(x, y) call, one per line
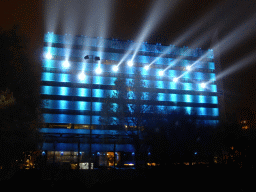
point(108, 159)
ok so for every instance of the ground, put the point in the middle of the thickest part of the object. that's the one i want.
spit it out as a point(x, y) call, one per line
point(174, 179)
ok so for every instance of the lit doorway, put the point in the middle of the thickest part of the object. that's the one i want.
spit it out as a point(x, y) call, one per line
point(108, 158)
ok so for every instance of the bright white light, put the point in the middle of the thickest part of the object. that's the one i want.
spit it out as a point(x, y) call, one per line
point(130, 63)
point(188, 68)
point(115, 68)
point(161, 73)
point(98, 70)
point(146, 67)
point(48, 56)
point(81, 76)
point(66, 64)
point(175, 79)
point(203, 85)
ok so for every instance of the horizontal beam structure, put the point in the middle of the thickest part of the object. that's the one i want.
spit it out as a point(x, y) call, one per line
point(84, 131)
point(86, 147)
point(101, 140)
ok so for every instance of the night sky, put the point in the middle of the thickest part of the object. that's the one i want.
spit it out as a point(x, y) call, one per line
point(182, 23)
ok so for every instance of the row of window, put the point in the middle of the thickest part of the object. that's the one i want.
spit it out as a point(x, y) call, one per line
point(100, 80)
point(67, 66)
point(85, 119)
point(126, 45)
point(99, 93)
point(67, 53)
point(97, 106)
point(84, 92)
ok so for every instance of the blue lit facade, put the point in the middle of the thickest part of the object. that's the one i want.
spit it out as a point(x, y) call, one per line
point(72, 103)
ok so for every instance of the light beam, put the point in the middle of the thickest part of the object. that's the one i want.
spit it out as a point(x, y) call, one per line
point(130, 63)
point(98, 70)
point(81, 76)
point(237, 66)
point(147, 67)
point(48, 56)
point(115, 68)
point(203, 85)
point(158, 10)
point(161, 73)
point(66, 64)
point(175, 79)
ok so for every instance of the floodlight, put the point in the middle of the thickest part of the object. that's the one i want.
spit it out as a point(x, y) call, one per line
point(115, 68)
point(146, 67)
point(81, 76)
point(66, 64)
point(161, 73)
point(175, 79)
point(130, 63)
point(188, 68)
point(98, 70)
point(48, 56)
point(203, 85)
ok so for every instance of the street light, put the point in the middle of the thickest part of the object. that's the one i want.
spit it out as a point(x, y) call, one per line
point(98, 71)
point(96, 58)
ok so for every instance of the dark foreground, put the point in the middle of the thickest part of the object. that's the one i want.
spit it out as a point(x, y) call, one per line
point(192, 178)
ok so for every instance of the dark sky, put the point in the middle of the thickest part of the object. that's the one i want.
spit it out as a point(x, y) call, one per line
point(187, 22)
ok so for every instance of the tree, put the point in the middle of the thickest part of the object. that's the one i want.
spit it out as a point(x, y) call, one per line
point(20, 78)
point(177, 137)
point(138, 108)
point(120, 98)
point(238, 143)
point(130, 107)
point(107, 110)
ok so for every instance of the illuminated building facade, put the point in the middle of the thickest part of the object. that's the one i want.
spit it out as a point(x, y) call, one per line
point(73, 90)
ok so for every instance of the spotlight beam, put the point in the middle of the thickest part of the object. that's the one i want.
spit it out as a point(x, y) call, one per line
point(164, 53)
point(125, 56)
point(192, 29)
point(157, 12)
point(224, 45)
point(239, 65)
point(48, 55)
point(197, 44)
point(174, 62)
point(236, 36)
point(181, 57)
point(193, 65)
point(201, 24)
point(52, 14)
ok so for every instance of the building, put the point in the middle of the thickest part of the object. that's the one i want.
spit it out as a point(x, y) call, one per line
point(79, 72)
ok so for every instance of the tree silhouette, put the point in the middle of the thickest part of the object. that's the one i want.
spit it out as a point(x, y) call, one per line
point(20, 78)
point(107, 111)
